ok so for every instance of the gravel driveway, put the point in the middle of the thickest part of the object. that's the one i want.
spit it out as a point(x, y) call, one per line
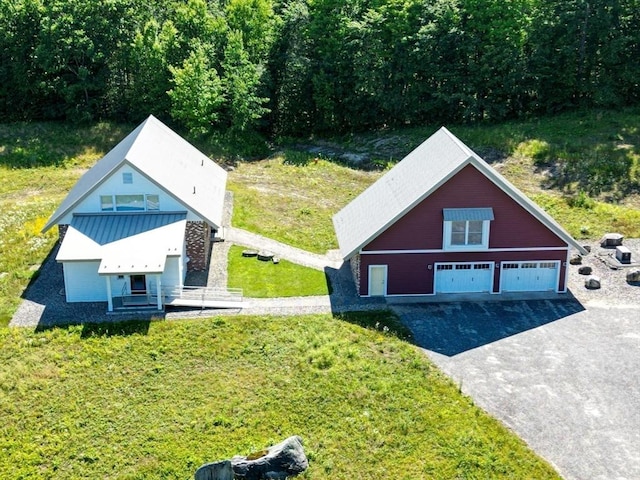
point(563, 374)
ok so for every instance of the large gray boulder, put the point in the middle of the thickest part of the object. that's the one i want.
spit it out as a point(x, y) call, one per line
point(611, 240)
point(592, 282)
point(215, 471)
point(633, 276)
point(585, 270)
point(576, 259)
point(279, 461)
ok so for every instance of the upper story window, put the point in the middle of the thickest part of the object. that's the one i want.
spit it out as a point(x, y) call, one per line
point(129, 203)
point(153, 202)
point(127, 178)
point(466, 228)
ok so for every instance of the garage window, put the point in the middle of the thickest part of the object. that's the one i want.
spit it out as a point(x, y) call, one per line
point(466, 228)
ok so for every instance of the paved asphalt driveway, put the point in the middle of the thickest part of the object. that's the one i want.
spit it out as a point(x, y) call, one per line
point(565, 379)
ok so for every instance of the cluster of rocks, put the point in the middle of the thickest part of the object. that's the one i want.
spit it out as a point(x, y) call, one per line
point(278, 462)
point(622, 258)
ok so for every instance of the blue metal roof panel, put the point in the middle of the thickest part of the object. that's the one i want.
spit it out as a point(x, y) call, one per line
point(105, 228)
point(467, 214)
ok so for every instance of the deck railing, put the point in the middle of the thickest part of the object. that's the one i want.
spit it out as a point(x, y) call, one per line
point(203, 293)
point(194, 296)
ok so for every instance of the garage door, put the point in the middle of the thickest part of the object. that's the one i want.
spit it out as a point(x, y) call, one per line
point(529, 276)
point(463, 277)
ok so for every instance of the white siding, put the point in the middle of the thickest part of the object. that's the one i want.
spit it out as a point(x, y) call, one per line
point(173, 272)
point(82, 282)
point(115, 186)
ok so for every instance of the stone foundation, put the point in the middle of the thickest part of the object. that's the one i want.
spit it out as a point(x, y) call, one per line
point(355, 271)
point(198, 240)
point(62, 231)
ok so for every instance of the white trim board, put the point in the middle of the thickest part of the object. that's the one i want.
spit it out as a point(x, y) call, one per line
point(489, 250)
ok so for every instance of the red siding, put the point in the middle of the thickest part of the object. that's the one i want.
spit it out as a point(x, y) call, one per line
point(409, 274)
point(421, 228)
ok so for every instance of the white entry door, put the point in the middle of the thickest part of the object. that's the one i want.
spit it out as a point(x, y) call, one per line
point(463, 277)
point(539, 276)
point(377, 280)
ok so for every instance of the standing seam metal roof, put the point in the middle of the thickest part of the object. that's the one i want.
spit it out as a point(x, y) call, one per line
point(111, 227)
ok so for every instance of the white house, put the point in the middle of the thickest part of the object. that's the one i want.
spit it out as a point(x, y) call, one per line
point(139, 219)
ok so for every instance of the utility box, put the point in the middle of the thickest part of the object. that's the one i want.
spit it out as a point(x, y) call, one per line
point(623, 254)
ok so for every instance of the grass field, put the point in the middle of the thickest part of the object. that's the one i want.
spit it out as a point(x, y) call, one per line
point(266, 279)
point(155, 401)
point(291, 196)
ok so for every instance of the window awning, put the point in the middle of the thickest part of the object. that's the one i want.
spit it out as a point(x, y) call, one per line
point(467, 214)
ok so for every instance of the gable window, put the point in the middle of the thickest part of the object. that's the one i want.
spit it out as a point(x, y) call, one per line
point(106, 203)
point(153, 202)
point(127, 178)
point(129, 203)
point(466, 228)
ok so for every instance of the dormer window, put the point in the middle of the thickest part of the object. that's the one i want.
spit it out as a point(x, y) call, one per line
point(127, 178)
point(466, 228)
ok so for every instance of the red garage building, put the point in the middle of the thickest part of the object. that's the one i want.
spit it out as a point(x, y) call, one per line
point(443, 221)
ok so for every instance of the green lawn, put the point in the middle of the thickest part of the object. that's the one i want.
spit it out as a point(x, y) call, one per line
point(265, 279)
point(155, 401)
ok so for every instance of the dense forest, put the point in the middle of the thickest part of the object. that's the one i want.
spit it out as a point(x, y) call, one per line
point(294, 67)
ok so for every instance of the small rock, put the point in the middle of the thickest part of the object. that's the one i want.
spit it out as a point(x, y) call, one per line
point(275, 260)
point(611, 240)
point(633, 276)
point(587, 248)
point(576, 259)
point(592, 283)
point(265, 256)
point(586, 270)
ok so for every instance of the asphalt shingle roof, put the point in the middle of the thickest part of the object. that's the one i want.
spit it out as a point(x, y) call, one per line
point(412, 180)
point(168, 160)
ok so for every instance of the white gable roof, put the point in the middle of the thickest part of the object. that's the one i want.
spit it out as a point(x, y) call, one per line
point(412, 180)
point(168, 160)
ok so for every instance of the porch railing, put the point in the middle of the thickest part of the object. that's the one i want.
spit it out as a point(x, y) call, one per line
point(203, 294)
point(186, 295)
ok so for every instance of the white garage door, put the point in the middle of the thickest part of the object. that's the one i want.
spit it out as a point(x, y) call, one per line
point(529, 276)
point(463, 277)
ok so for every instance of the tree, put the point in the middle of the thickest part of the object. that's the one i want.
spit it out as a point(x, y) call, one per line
point(75, 48)
point(197, 93)
point(241, 82)
point(20, 95)
point(150, 75)
point(290, 67)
